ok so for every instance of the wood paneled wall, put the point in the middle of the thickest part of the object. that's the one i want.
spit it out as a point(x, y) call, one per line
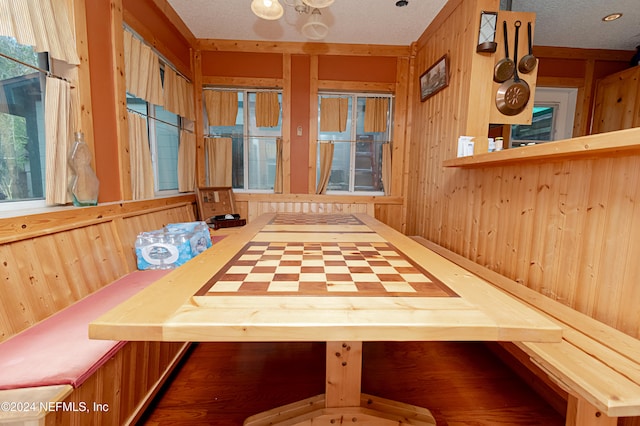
point(580, 69)
point(51, 260)
point(250, 206)
point(569, 229)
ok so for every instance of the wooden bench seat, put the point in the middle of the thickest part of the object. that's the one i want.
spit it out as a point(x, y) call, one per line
point(60, 270)
point(57, 350)
point(596, 365)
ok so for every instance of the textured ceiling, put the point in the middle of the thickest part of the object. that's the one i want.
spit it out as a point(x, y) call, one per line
point(569, 23)
point(578, 23)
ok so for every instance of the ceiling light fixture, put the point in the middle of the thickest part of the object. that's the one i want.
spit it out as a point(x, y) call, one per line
point(267, 9)
point(612, 17)
point(313, 29)
point(318, 4)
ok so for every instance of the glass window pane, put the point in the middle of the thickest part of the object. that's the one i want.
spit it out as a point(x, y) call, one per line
point(357, 162)
point(340, 168)
point(262, 163)
point(541, 128)
point(368, 159)
point(22, 129)
point(137, 104)
point(236, 133)
point(368, 175)
point(167, 138)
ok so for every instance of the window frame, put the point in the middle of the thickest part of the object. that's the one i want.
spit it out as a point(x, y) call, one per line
point(246, 135)
point(353, 138)
point(44, 64)
point(150, 117)
point(564, 101)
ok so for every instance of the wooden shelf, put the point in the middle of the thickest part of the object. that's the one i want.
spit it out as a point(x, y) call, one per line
point(622, 142)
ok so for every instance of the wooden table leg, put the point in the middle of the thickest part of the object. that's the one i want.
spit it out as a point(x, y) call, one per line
point(343, 374)
point(343, 402)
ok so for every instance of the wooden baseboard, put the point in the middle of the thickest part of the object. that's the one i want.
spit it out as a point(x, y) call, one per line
point(155, 389)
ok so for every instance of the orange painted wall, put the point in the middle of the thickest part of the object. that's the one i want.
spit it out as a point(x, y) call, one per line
point(377, 69)
point(103, 99)
point(240, 64)
point(300, 113)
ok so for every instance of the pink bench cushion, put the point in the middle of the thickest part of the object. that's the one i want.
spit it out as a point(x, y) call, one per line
point(58, 350)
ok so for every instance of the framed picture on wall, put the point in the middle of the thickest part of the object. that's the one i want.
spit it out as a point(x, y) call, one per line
point(435, 78)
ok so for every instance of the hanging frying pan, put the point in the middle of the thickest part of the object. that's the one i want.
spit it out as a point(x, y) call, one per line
point(505, 66)
point(528, 62)
point(513, 95)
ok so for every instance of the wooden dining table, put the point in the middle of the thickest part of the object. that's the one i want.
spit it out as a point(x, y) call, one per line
point(343, 279)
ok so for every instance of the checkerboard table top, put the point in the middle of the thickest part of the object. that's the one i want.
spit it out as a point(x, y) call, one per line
point(324, 269)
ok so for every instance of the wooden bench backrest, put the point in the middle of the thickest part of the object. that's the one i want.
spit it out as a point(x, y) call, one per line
point(625, 346)
point(51, 260)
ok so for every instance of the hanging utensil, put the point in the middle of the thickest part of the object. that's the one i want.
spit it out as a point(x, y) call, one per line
point(505, 67)
point(528, 62)
point(513, 95)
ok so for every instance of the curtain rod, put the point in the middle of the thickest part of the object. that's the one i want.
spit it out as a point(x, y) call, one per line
point(238, 135)
point(351, 141)
point(33, 67)
point(154, 118)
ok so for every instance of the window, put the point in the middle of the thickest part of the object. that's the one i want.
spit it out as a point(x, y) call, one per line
point(22, 124)
point(357, 155)
point(553, 113)
point(164, 135)
point(253, 148)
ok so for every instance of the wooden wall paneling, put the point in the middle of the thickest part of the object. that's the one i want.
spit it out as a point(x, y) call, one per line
point(591, 248)
point(573, 195)
point(617, 102)
point(630, 322)
point(84, 79)
point(313, 123)
point(199, 123)
point(120, 84)
point(611, 305)
point(286, 123)
point(540, 232)
point(114, 388)
point(17, 295)
point(296, 48)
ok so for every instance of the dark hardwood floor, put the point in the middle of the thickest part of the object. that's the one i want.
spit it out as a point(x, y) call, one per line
point(463, 383)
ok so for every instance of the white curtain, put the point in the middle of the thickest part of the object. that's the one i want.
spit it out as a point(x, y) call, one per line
point(43, 24)
point(326, 160)
point(219, 160)
point(142, 70)
point(333, 114)
point(178, 94)
point(279, 179)
point(386, 168)
point(187, 162)
point(267, 109)
point(221, 106)
point(142, 185)
point(58, 135)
